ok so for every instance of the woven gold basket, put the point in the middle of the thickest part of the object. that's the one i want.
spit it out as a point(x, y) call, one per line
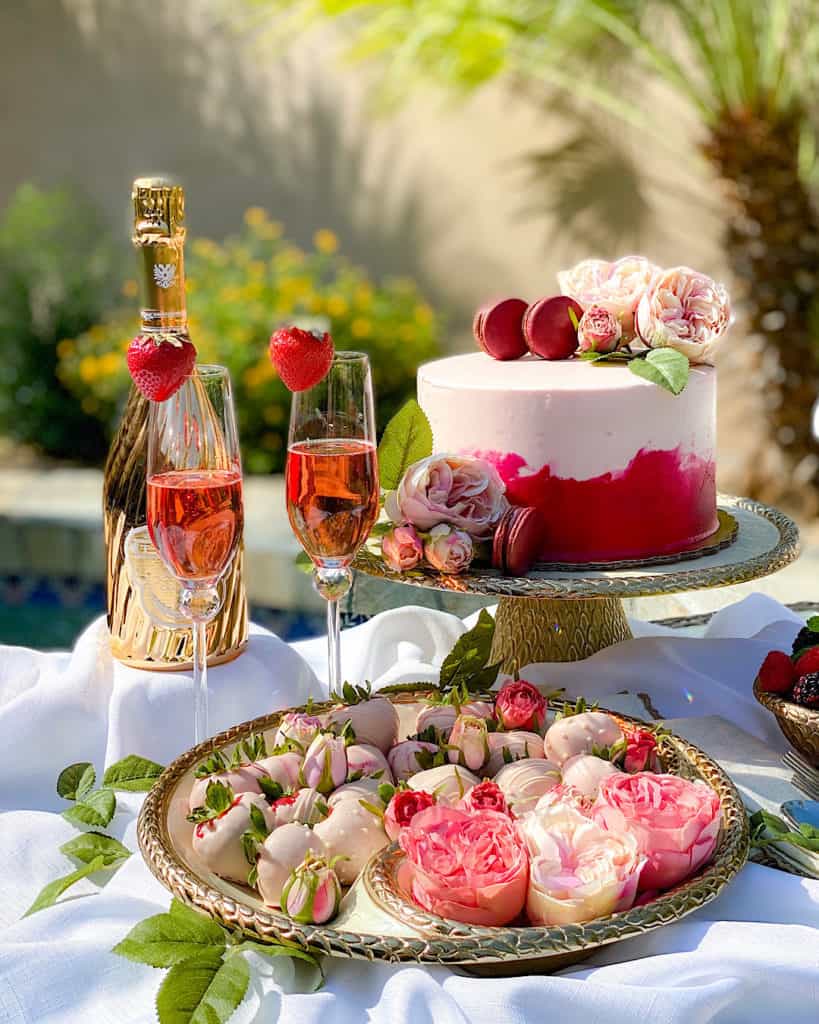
point(800, 726)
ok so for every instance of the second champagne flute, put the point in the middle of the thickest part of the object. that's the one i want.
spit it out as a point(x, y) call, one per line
point(332, 481)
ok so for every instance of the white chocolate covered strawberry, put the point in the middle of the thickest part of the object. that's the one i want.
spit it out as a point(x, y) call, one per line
point(585, 772)
point(353, 833)
point(280, 854)
point(524, 782)
point(404, 759)
point(447, 782)
point(582, 733)
point(218, 840)
point(374, 720)
point(505, 747)
point(242, 779)
point(305, 806)
point(365, 760)
point(361, 789)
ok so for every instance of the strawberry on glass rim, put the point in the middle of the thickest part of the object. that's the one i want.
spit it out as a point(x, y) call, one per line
point(301, 358)
point(159, 364)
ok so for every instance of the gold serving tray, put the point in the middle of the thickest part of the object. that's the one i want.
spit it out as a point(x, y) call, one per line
point(377, 922)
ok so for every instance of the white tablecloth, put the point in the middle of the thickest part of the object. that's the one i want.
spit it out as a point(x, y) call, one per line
point(750, 956)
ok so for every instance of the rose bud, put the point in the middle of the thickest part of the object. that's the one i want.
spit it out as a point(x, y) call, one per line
point(361, 789)
point(283, 768)
point(373, 720)
point(364, 760)
point(403, 758)
point(486, 796)
point(524, 782)
point(243, 779)
point(599, 331)
point(448, 782)
point(402, 548)
point(218, 841)
point(585, 772)
point(325, 763)
point(297, 727)
point(283, 850)
point(352, 833)
point(306, 806)
point(448, 550)
point(467, 743)
point(312, 893)
point(403, 806)
point(641, 751)
point(506, 747)
point(519, 705)
point(583, 733)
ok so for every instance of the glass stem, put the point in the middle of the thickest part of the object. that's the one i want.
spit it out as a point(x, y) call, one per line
point(200, 680)
point(334, 645)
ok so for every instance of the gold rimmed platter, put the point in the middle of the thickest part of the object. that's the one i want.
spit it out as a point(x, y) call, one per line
point(377, 921)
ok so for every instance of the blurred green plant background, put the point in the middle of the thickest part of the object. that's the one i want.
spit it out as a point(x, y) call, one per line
point(67, 322)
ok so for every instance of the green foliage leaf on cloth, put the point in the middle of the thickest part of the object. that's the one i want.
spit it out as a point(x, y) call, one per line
point(50, 893)
point(767, 828)
point(407, 438)
point(76, 781)
point(132, 774)
point(168, 939)
point(96, 809)
point(203, 990)
point(466, 664)
point(90, 845)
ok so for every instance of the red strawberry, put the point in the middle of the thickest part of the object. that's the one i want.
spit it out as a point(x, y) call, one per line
point(807, 662)
point(776, 673)
point(302, 358)
point(159, 364)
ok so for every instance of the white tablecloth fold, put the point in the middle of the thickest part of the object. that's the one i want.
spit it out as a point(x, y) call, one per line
point(750, 956)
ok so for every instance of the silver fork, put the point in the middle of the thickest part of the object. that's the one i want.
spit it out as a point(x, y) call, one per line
point(805, 776)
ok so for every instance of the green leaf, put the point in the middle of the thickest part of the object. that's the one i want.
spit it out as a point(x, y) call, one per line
point(73, 777)
point(372, 809)
point(665, 367)
point(271, 789)
point(50, 893)
point(204, 990)
point(470, 654)
point(304, 563)
point(407, 438)
point(212, 765)
point(167, 939)
point(275, 949)
point(218, 797)
point(132, 774)
point(573, 318)
point(89, 845)
point(257, 821)
point(767, 828)
point(386, 791)
point(813, 623)
point(97, 809)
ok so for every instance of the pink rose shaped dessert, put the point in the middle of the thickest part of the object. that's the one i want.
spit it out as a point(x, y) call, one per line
point(325, 763)
point(676, 822)
point(312, 893)
point(585, 772)
point(448, 782)
point(467, 743)
point(578, 870)
point(363, 760)
point(598, 331)
point(486, 796)
point(297, 727)
point(465, 492)
point(404, 761)
point(403, 807)
point(506, 747)
point(448, 550)
point(280, 854)
point(641, 751)
point(581, 734)
point(402, 548)
point(353, 833)
point(373, 720)
point(524, 782)
point(520, 705)
point(466, 867)
point(686, 311)
point(283, 768)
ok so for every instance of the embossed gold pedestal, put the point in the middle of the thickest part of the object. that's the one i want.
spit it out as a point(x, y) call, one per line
point(563, 612)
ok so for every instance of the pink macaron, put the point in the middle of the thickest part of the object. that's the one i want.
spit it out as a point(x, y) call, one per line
point(548, 327)
point(498, 328)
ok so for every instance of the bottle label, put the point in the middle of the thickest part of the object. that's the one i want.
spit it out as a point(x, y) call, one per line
point(156, 589)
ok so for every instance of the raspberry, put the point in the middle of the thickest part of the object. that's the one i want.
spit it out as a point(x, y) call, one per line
point(776, 673)
point(807, 662)
point(805, 638)
point(806, 690)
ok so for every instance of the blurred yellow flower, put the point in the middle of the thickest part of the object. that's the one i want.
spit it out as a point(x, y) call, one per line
point(88, 369)
point(204, 247)
point(255, 215)
point(326, 241)
point(337, 305)
point(110, 363)
point(363, 296)
point(361, 328)
point(423, 313)
point(273, 415)
point(190, 285)
point(406, 332)
point(65, 348)
point(270, 230)
point(230, 293)
point(129, 288)
point(257, 268)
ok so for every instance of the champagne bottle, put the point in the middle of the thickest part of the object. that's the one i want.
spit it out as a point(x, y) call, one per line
point(147, 629)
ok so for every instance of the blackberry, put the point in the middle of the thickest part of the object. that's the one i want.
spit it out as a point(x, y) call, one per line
point(805, 638)
point(806, 690)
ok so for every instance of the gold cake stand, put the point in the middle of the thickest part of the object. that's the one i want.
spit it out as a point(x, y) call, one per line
point(562, 612)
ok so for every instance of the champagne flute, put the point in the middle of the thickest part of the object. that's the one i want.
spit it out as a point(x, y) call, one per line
point(332, 481)
point(194, 503)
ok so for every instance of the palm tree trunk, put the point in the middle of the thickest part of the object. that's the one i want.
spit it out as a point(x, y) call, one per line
point(772, 241)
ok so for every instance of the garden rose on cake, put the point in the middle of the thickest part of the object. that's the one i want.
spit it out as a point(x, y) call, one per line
point(641, 751)
point(403, 758)
point(578, 870)
point(325, 763)
point(468, 745)
point(402, 548)
point(686, 311)
point(486, 796)
point(465, 492)
point(616, 287)
point(520, 705)
point(584, 281)
point(403, 807)
point(467, 867)
point(676, 822)
point(448, 550)
point(598, 331)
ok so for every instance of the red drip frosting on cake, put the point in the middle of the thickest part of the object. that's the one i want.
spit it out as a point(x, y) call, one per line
point(617, 467)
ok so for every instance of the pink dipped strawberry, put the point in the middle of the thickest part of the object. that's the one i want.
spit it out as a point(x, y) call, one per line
point(159, 364)
point(301, 358)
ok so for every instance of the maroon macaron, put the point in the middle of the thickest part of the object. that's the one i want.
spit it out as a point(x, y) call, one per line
point(548, 328)
point(498, 328)
point(517, 541)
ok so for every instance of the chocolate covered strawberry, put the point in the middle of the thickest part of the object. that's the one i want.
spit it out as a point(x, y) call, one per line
point(301, 358)
point(159, 364)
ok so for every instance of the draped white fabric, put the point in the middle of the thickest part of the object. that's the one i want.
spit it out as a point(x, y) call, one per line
point(750, 956)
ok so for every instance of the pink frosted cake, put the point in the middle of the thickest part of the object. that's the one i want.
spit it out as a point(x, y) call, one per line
point(618, 467)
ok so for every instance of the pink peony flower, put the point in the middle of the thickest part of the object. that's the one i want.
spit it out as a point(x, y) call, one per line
point(297, 727)
point(466, 867)
point(598, 331)
point(468, 745)
point(676, 822)
point(325, 763)
point(616, 287)
point(562, 795)
point(448, 550)
point(686, 311)
point(519, 705)
point(402, 548)
point(403, 807)
point(486, 796)
point(403, 758)
point(641, 751)
point(578, 870)
point(465, 492)
point(312, 893)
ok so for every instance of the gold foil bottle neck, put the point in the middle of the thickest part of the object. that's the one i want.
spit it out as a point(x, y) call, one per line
point(159, 212)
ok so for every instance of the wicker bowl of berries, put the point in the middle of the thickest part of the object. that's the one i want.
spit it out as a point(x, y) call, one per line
point(788, 686)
